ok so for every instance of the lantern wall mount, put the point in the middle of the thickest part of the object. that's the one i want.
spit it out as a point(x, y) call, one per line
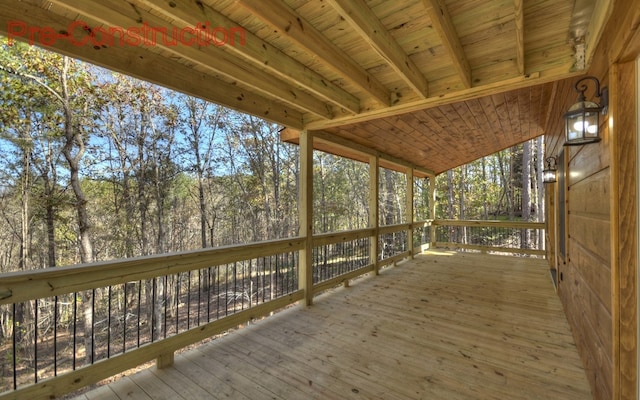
point(582, 121)
point(549, 173)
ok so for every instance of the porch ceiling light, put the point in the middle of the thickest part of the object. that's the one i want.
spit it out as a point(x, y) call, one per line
point(583, 118)
point(549, 173)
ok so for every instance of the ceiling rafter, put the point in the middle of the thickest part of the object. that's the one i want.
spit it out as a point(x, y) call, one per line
point(442, 24)
point(259, 52)
point(367, 24)
point(519, 17)
point(296, 29)
point(144, 64)
point(211, 57)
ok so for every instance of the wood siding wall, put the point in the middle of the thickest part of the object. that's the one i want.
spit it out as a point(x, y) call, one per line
point(599, 285)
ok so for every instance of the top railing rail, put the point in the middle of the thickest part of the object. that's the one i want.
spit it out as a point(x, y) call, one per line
point(35, 284)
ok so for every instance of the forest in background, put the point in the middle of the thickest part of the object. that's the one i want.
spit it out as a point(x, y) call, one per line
point(99, 166)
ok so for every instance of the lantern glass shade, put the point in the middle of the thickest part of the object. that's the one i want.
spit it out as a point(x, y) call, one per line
point(582, 123)
point(549, 175)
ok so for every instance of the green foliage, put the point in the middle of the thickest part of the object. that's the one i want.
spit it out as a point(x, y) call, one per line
point(165, 172)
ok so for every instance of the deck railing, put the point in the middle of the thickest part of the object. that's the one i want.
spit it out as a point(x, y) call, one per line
point(68, 327)
point(514, 237)
point(338, 257)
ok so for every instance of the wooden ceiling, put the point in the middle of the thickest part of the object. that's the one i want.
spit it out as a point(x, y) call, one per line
point(431, 83)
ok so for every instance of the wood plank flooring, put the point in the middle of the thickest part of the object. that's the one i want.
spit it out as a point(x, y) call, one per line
point(443, 326)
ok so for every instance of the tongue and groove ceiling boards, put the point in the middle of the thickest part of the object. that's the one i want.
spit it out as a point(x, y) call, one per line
point(432, 83)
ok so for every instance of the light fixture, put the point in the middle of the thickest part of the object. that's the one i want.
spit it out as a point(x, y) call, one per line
point(549, 173)
point(583, 118)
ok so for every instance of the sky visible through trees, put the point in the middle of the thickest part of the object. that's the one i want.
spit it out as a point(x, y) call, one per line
point(97, 166)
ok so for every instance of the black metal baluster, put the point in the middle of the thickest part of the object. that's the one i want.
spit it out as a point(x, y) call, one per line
point(264, 275)
point(139, 308)
point(277, 273)
point(325, 261)
point(199, 290)
point(124, 320)
point(153, 309)
point(55, 336)
point(15, 347)
point(35, 342)
point(75, 327)
point(110, 292)
point(165, 303)
point(271, 275)
point(235, 285)
point(209, 296)
point(188, 300)
point(177, 302)
point(245, 284)
point(294, 272)
point(93, 324)
point(218, 268)
point(226, 291)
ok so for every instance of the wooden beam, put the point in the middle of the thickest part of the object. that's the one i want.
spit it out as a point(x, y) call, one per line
point(259, 52)
point(615, 104)
point(367, 24)
point(211, 58)
point(142, 63)
point(600, 15)
point(298, 30)
point(442, 24)
point(448, 98)
point(625, 250)
point(519, 18)
point(305, 216)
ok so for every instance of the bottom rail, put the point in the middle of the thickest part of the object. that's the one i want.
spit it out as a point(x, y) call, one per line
point(328, 284)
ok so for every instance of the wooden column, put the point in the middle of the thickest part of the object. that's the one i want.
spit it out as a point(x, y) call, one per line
point(374, 194)
point(165, 360)
point(305, 211)
point(432, 208)
point(409, 211)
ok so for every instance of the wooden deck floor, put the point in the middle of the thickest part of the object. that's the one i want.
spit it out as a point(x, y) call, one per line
point(448, 326)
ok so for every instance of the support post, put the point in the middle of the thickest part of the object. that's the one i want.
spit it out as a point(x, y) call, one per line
point(305, 213)
point(432, 210)
point(374, 194)
point(165, 360)
point(409, 212)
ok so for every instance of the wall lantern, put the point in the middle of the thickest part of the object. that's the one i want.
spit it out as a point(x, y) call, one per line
point(549, 173)
point(583, 118)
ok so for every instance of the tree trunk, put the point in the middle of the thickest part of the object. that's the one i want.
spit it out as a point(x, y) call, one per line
point(485, 201)
point(463, 229)
point(75, 141)
point(526, 192)
point(450, 201)
point(540, 210)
